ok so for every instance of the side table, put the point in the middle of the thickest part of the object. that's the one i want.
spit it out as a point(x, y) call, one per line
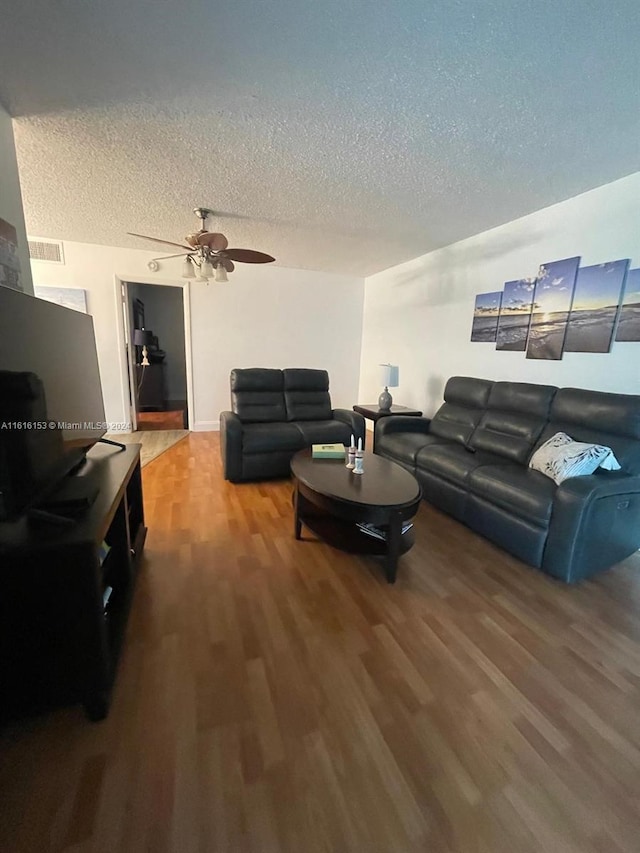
point(374, 413)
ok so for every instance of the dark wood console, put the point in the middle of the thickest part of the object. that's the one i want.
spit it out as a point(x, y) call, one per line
point(151, 388)
point(65, 593)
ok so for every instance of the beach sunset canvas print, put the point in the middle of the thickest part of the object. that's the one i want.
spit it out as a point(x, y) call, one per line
point(485, 317)
point(552, 297)
point(596, 300)
point(629, 320)
point(515, 315)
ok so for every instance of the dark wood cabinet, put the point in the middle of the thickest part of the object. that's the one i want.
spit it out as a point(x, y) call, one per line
point(66, 590)
point(151, 387)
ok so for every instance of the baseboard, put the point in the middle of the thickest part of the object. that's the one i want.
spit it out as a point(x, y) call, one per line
point(206, 426)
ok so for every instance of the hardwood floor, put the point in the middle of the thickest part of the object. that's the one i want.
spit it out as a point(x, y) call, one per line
point(277, 695)
point(161, 420)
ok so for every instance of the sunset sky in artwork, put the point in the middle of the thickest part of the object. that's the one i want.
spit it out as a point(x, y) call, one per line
point(554, 286)
point(599, 286)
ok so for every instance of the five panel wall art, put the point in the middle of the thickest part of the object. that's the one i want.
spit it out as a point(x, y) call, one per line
point(564, 308)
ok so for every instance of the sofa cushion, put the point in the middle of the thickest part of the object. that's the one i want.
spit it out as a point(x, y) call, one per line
point(453, 462)
point(516, 415)
point(257, 394)
point(404, 446)
point(597, 417)
point(517, 490)
point(306, 394)
point(259, 438)
point(324, 432)
point(465, 402)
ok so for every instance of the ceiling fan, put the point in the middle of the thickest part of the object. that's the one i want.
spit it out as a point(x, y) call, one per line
point(208, 252)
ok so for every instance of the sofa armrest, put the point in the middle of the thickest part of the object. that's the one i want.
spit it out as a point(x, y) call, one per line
point(595, 523)
point(354, 421)
point(231, 445)
point(401, 423)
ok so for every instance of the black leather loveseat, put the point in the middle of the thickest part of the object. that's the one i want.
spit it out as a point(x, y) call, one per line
point(472, 459)
point(276, 413)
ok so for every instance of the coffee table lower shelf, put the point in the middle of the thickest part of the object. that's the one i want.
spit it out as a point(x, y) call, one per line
point(345, 535)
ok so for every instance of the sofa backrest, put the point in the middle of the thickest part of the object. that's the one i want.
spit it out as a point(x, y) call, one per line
point(599, 418)
point(465, 401)
point(516, 414)
point(306, 394)
point(257, 394)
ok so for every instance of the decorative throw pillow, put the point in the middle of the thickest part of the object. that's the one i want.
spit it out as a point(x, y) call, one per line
point(561, 457)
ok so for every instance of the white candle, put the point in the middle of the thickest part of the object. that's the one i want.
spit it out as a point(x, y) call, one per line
point(353, 441)
point(359, 444)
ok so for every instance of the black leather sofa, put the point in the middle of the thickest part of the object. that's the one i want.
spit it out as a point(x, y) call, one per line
point(472, 458)
point(276, 413)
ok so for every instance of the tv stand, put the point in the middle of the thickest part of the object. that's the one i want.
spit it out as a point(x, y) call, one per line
point(47, 517)
point(66, 591)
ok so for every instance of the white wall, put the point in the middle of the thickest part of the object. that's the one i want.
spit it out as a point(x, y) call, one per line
point(265, 316)
point(10, 196)
point(418, 315)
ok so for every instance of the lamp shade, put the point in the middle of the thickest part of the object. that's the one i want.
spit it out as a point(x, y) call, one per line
point(389, 375)
point(142, 337)
point(187, 269)
point(221, 273)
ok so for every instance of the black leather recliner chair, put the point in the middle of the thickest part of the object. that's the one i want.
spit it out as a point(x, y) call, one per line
point(275, 414)
point(472, 457)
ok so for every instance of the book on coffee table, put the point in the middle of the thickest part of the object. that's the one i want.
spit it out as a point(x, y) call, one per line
point(327, 451)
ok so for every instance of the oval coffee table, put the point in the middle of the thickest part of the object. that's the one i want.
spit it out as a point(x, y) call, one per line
point(330, 500)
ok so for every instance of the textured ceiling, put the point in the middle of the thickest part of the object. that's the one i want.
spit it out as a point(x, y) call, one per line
point(340, 135)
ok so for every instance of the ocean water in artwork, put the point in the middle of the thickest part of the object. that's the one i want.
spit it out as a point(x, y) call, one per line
point(629, 319)
point(596, 300)
point(546, 335)
point(485, 317)
point(484, 329)
point(551, 305)
point(512, 333)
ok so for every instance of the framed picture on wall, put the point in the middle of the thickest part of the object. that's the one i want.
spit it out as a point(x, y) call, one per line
point(552, 303)
point(9, 259)
point(68, 297)
point(137, 310)
point(515, 315)
point(629, 319)
point(485, 316)
point(596, 302)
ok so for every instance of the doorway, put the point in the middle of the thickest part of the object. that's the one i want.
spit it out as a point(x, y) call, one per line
point(157, 341)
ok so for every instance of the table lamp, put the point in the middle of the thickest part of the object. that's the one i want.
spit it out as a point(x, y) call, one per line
point(142, 337)
point(389, 377)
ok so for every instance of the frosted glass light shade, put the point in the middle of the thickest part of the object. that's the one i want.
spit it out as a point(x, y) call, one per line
point(389, 375)
point(221, 273)
point(187, 269)
point(206, 269)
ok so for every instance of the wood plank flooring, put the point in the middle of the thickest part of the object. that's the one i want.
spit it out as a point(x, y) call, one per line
point(277, 695)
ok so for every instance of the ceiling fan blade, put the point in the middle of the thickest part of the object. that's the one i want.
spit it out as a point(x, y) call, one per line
point(158, 240)
point(248, 256)
point(179, 255)
point(216, 242)
point(228, 264)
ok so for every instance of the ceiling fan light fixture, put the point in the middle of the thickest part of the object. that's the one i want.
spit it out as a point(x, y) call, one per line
point(187, 269)
point(206, 254)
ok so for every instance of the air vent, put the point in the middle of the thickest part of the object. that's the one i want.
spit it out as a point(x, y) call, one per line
point(46, 250)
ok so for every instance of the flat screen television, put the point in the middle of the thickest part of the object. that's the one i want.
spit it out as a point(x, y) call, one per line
point(51, 407)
